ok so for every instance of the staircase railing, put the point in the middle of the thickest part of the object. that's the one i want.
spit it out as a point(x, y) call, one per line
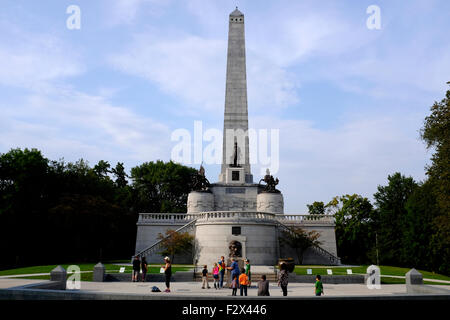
point(157, 245)
point(328, 255)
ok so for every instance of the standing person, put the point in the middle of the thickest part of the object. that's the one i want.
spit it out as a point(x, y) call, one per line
point(144, 268)
point(318, 286)
point(234, 285)
point(283, 278)
point(216, 276)
point(234, 267)
point(263, 286)
point(205, 277)
point(248, 272)
point(167, 273)
point(243, 282)
point(136, 268)
point(222, 267)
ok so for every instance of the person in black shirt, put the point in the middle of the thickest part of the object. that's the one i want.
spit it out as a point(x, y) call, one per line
point(136, 268)
point(144, 268)
point(205, 277)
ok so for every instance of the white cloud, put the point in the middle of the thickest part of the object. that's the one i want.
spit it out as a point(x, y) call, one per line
point(32, 61)
point(190, 68)
point(127, 11)
point(355, 157)
point(67, 122)
point(193, 69)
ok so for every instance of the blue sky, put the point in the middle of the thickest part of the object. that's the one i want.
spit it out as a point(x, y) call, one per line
point(348, 101)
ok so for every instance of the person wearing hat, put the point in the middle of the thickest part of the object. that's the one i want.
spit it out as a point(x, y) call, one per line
point(167, 273)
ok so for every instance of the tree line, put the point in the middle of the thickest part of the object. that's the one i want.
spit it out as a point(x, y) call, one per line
point(409, 222)
point(53, 212)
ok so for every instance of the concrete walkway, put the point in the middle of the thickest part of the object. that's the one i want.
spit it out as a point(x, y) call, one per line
point(255, 269)
point(403, 277)
point(35, 275)
point(194, 289)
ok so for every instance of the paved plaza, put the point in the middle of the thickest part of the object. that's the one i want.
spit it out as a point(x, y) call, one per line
point(190, 289)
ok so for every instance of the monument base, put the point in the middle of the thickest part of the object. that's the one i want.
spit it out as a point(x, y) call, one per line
point(241, 265)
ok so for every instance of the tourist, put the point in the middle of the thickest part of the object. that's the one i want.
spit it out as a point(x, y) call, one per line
point(234, 285)
point(144, 268)
point(263, 286)
point(234, 269)
point(167, 273)
point(216, 276)
point(222, 267)
point(243, 282)
point(205, 277)
point(283, 278)
point(248, 272)
point(136, 268)
point(318, 286)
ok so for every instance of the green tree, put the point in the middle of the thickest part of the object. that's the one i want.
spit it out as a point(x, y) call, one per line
point(55, 212)
point(436, 134)
point(300, 240)
point(391, 217)
point(421, 210)
point(317, 207)
point(162, 187)
point(23, 195)
point(102, 168)
point(120, 175)
point(175, 243)
point(355, 237)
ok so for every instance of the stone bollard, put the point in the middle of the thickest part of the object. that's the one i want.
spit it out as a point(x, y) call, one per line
point(99, 273)
point(413, 277)
point(59, 274)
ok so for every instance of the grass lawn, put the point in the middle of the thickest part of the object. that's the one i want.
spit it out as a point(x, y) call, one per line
point(110, 268)
point(385, 271)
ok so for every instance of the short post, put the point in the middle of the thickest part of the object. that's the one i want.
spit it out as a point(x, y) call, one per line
point(99, 272)
point(413, 277)
point(59, 274)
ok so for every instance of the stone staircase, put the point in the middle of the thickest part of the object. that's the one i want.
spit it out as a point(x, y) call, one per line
point(157, 245)
point(330, 258)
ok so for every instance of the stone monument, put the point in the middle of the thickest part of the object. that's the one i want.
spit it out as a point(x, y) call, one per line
point(235, 217)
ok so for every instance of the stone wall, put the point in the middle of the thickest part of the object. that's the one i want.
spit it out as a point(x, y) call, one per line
point(258, 242)
point(147, 234)
point(213, 233)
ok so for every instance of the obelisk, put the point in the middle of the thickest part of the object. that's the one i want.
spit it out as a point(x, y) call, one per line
point(235, 126)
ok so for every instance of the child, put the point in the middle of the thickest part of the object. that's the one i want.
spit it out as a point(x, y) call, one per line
point(318, 286)
point(205, 277)
point(234, 284)
point(248, 272)
point(263, 286)
point(216, 276)
point(243, 282)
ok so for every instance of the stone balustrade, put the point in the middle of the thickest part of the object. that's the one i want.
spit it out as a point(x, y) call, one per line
point(235, 216)
point(183, 218)
point(305, 218)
